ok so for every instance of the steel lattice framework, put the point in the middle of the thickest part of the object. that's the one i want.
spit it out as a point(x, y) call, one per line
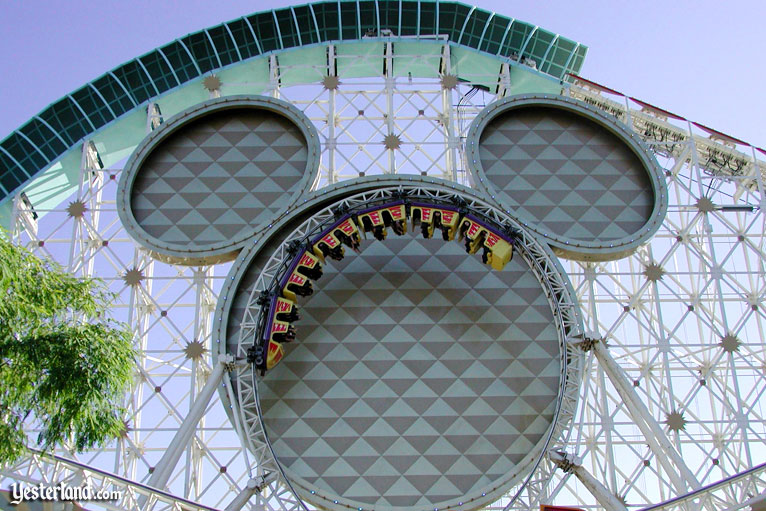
point(545, 268)
point(683, 317)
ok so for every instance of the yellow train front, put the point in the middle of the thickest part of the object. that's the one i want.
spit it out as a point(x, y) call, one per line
point(497, 248)
point(330, 242)
point(497, 251)
point(431, 217)
point(376, 220)
point(283, 310)
point(279, 329)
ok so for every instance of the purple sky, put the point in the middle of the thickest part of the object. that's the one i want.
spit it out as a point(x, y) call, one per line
point(697, 59)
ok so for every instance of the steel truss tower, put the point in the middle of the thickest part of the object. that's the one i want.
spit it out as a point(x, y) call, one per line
point(669, 407)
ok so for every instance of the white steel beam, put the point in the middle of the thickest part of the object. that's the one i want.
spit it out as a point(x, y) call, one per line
point(390, 85)
point(169, 460)
point(665, 453)
point(332, 175)
point(253, 486)
point(153, 117)
point(504, 82)
point(204, 304)
point(274, 75)
point(450, 156)
point(59, 469)
point(740, 491)
point(25, 215)
point(140, 309)
point(602, 494)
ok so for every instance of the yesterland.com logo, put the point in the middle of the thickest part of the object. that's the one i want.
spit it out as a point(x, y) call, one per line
point(60, 492)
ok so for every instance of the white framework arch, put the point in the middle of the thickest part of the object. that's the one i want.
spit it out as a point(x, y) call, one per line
point(670, 336)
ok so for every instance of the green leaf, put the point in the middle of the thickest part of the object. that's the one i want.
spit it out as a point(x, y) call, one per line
point(65, 366)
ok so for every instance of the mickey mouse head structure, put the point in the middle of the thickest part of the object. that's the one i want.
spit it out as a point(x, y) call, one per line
point(423, 371)
point(212, 178)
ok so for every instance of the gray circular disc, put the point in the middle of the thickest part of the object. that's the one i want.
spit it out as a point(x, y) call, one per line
point(211, 177)
point(574, 176)
point(420, 380)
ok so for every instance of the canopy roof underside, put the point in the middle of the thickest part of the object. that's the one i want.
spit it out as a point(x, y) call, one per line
point(45, 138)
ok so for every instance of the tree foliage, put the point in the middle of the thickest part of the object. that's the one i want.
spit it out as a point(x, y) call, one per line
point(64, 364)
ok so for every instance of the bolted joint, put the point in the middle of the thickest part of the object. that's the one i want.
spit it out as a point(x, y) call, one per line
point(399, 194)
point(253, 486)
point(340, 211)
point(258, 484)
point(513, 233)
point(566, 462)
point(459, 202)
point(228, 361)
point(585, 342)
point(264, 298)
point(293, 247)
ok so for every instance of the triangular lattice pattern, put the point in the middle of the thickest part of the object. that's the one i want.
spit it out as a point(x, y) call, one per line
point(568, 175)
point(419, 376)
point(218, 177)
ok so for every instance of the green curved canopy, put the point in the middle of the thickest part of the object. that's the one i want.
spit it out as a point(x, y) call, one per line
point(45, 138)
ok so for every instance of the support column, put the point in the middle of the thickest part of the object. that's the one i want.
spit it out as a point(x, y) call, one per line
point(203, 308)
point(255, 485)
point(332, 176)
point(274, 76)
point(390, 82)
point(667, 456)
point(185, 433)
point(451, 141)
point(24, 217)
point(94, 201)
point(140, 278)
point(153, 117)
point(85, 232)
point(504, 85)
point(605, 498)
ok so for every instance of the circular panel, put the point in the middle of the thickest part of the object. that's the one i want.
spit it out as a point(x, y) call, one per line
point(570, 174)
point(211, 177)
point(574, 178)
point(420, 379)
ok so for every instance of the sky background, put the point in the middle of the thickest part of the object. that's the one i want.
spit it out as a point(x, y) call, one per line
point(700, 60)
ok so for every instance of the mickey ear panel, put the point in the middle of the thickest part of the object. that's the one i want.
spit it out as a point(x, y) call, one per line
point(576, 177)
point(200, 186)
